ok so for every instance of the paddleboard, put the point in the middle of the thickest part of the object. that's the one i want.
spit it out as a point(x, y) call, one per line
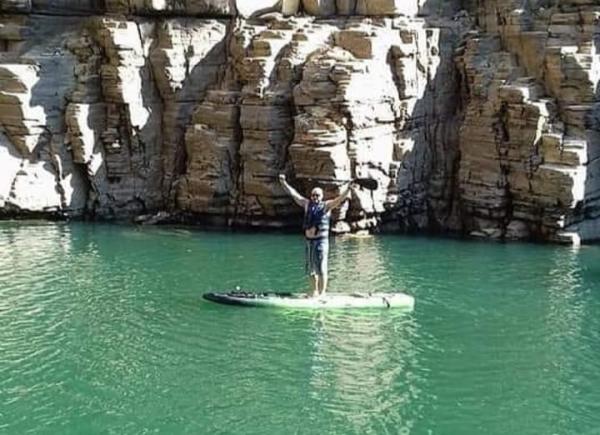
point(301, 301)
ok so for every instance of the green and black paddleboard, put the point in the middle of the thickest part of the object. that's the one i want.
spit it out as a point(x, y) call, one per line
point(301, 301)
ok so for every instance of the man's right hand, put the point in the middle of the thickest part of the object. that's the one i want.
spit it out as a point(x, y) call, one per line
point(281, 178)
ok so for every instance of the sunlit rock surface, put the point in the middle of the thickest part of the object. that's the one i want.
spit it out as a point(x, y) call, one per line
point(529, 140)
point(477, 117)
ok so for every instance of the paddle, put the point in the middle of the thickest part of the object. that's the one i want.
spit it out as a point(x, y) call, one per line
point(367, 183)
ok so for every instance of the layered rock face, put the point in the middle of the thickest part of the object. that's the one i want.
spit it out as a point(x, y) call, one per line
point(529, 140)
point(324, 101)
point(481, 120)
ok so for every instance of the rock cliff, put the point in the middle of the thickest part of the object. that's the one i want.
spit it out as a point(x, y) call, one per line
point(476, 116)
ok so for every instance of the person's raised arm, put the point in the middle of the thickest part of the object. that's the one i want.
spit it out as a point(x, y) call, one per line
point(298, 199)
point(338, 200)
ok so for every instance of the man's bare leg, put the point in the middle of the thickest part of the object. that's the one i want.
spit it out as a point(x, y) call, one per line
point(323, 285)
point(314, 284)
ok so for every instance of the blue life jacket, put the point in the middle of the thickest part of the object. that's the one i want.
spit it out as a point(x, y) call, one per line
point(316, 216)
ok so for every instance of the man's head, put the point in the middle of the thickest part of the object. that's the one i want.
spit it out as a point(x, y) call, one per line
point(316, 195)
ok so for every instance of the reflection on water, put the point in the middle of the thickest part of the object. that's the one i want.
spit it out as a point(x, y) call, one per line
point(363, 363)
point(564, 287)
point(571, 344)
point(359, 265)
point(363, 370)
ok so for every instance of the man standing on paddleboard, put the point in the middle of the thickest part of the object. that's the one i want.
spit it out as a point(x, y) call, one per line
point(317, 216)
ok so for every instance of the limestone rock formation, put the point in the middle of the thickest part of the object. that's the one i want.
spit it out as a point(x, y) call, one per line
point(483, 120)
point(529, 140)
point(39, 173)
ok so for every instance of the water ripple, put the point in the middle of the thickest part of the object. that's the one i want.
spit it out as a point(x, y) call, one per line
point(102, 329)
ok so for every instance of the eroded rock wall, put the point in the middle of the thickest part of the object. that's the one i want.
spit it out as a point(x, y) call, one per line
point(478, 116)
point(39, 174)
point(324, 101)
point(529, 141)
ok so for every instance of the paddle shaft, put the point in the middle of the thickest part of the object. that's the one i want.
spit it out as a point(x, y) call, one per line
point(367, 183)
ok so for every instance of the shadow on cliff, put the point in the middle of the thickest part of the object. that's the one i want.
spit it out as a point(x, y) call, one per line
point(204, 75)
point(585, 219)
point(68, 7)
point(592, 186)
point(55, 80)
point(427, 180)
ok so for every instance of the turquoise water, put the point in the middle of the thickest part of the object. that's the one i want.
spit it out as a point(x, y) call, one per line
point(102, 330)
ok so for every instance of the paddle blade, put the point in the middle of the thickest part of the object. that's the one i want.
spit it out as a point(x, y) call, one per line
point(367, 183)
